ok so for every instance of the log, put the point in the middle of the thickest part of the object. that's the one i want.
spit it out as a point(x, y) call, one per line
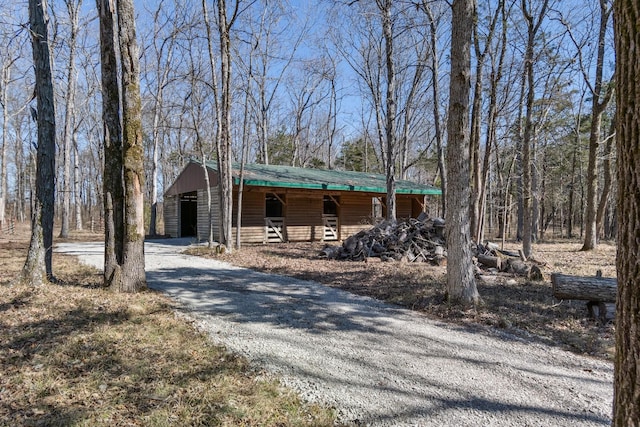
point(490, 261)
point(596, 289)
point(518, 267)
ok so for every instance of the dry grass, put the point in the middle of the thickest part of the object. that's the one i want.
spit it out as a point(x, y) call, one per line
point(513, 304)
point(74, 354)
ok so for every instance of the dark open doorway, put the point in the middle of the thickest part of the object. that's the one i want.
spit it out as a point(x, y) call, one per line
point(189, 214)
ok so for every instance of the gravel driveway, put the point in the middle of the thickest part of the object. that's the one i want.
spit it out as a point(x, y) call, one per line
point(375, 363)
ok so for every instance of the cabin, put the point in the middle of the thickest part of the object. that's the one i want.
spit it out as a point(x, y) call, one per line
point(284, 203)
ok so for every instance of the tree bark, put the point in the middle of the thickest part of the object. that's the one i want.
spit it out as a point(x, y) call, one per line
point(435, 87)
point(38, 266)
point(626, 400)
point(133, 274)
point(461, 284)
point(113, 187)
point(163, 67)
point(69, 117)
point(244, 153)
point(599, 104)
point(4, 96)
point(479, 198)
point(218, 122)
point(533, 25)
point(390, 125)
point(224, 148)
point(477, 172)
point(607, 179)
point(77, 192)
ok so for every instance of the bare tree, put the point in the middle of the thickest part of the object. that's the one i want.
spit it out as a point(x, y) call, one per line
point(391, 104)
point(497, 68)
point(225, 23)
point(626, 405)
point(274, 55)
point(133, 275)
point(601, 94)
point(607, 183)
point(477, 169)
point(434, 22)
point(7, 64)
point(127, 274)
point(385, 48)
point(163, 53)
point(533, 23)
point(461, 284)
point(217, 119)
point(38, 265)
point(306, 93)
point(113, 190)
point(73, 9)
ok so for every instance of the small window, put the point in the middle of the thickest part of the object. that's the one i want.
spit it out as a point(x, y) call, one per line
point(330, 205)
point(273, 205)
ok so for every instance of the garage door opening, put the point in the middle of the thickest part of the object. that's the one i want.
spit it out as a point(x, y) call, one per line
point(189, 214)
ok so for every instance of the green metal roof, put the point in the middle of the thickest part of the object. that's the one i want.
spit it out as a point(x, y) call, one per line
point(322, 179)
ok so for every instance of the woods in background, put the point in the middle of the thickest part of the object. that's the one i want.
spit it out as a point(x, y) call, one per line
point(356, 87)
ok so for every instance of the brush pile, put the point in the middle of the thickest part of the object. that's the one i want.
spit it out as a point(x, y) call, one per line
point(413, 240)
point(422, 240)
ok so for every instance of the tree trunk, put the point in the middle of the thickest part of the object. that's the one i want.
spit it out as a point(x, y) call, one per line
point(461, 284)
point(244, 155)
point(526, 148)
point(218, 120)
point(209, 199)
point(162, 68)
point(6, 79)
point(224, 148)
point(519, 154)
point(38, 266)
point(133, 274)
point(496, 77)
point(113, 187)
point(533, 25)
point(390, 125)
point(607, 181)
point(76, 185)
point(332, 119)
point(435, 86)
point(599, 104)
point(572, 184)
point(626, 400)
point(69, 117)
point(23, 178)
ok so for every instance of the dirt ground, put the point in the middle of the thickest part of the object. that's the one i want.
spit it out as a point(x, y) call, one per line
point(514, 304)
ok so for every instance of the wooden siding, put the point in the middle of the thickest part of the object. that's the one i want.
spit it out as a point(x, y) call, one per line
point(403, 207)
point(303, 213)
point(252, 208)
point(252, 216)
point(250, 235)
point(355, 213)
point(304, 217)
point(170, 211)
point(191, 179)
point(203, 215)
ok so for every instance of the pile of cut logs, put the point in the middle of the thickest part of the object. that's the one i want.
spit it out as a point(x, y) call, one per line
point(491, 257)
point(414, 240)
point(422, 240)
